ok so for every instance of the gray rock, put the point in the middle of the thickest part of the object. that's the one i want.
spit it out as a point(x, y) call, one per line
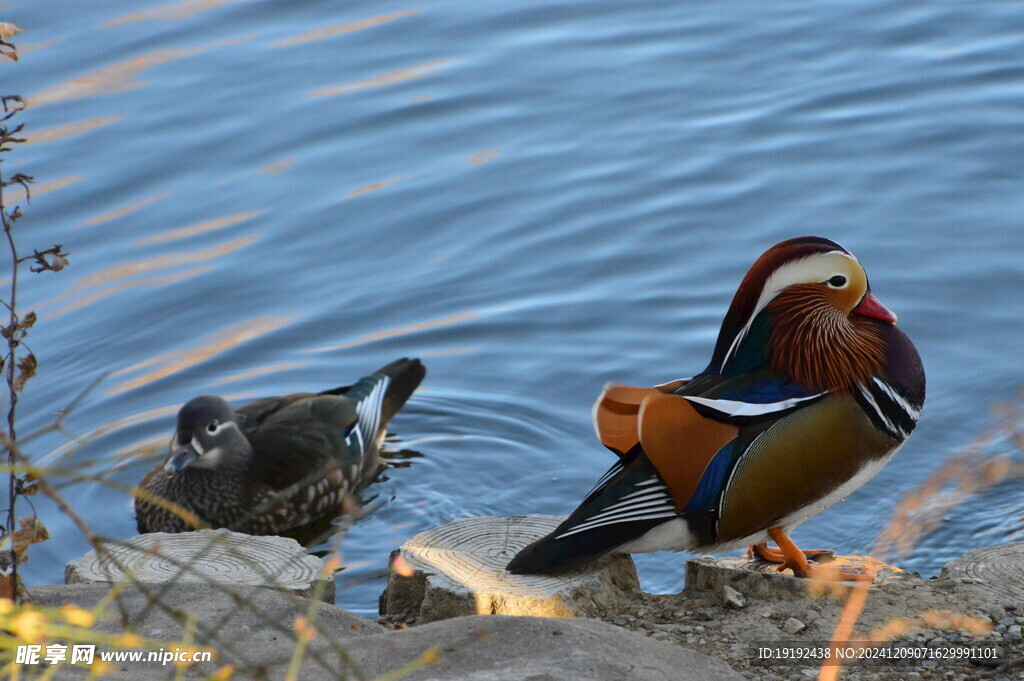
point(476, 648)
point(732, 596)
point(793, 626)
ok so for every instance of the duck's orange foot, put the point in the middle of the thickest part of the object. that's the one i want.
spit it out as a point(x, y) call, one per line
point(766, 553)
point(792, 558)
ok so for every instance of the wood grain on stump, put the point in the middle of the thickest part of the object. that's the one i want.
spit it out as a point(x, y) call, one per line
point(708, 574)
point(220, 556)
point(459, 569)
point(996, 569)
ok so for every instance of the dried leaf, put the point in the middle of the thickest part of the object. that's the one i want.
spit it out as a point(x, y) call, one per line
point(31, 531)
point(9, 29)
point(401, 567)
point(7, 586)
point(27, 369)
point(27, 485)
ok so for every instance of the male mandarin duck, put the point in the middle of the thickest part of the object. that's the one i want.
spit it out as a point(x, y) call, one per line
point(810, 391)
point(279, 464)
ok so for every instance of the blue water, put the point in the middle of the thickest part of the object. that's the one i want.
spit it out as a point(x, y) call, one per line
point(263, 197)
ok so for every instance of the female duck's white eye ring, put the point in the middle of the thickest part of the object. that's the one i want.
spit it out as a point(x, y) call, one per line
point(212, 427)
point(837, 281)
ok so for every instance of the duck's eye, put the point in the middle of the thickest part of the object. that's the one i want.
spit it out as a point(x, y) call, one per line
point(212, 426)
point(837, 281)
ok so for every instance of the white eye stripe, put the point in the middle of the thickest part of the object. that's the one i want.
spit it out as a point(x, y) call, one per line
point(198, 446)
point(812, 268)
point(222, 426)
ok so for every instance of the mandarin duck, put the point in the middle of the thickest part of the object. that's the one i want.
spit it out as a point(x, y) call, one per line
point(279, 464)
point(810, 391)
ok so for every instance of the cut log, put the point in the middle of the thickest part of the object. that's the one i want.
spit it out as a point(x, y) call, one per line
point(459, 569)
point(220, 556)
point(996, 569)
point(718, 577)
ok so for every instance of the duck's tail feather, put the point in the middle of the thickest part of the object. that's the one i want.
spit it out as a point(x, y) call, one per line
point(628, 501)
point(379, 396)
point(405, 375)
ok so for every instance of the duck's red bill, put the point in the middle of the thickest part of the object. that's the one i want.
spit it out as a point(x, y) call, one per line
point(870, 307)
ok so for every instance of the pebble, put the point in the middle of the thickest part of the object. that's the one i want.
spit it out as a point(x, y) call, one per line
point(618, 621)
point(810, 615)
point(809, 673)
point(732, 597)
point(1014, 633)
point(680, 614)
point(793, 626)
point(641, 612)
point(967, 580)
point(702, 616)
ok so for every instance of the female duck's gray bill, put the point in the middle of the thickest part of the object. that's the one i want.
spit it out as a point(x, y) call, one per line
point(181, 456)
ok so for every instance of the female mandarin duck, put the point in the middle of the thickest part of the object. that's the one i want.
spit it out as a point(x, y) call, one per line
point(280, 465)
point(810, 391)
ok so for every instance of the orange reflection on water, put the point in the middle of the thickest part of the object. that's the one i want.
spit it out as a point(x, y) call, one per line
point(450, 351)
point(161, 262)
point(324, 32)
point(376, 186)
point(154, 282)
point(70, 130)
point(127, 270)
point(124, 210)
point(483, 156)
point(116, 77)
point(172, 11)
point(260, 371)
point(385, 79)
point(404, 330)
point(17, 192)
point(276, 167)
point(115, 425)
point(199, 228)
point(177, 360)
point(29, 48)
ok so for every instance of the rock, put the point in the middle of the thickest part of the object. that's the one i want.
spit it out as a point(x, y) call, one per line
point(474, 648)
point(205, 556)
point(996, 569)
point(757, 579)
point(459, 569)
point(732, 597)
point(793, 626)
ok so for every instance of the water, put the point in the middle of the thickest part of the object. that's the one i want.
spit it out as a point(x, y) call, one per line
point(535, 198)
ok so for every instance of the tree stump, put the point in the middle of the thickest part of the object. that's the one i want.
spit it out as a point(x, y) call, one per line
point(996, 569)
point(708, 575)
point(459, 569)
point(219, 556)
